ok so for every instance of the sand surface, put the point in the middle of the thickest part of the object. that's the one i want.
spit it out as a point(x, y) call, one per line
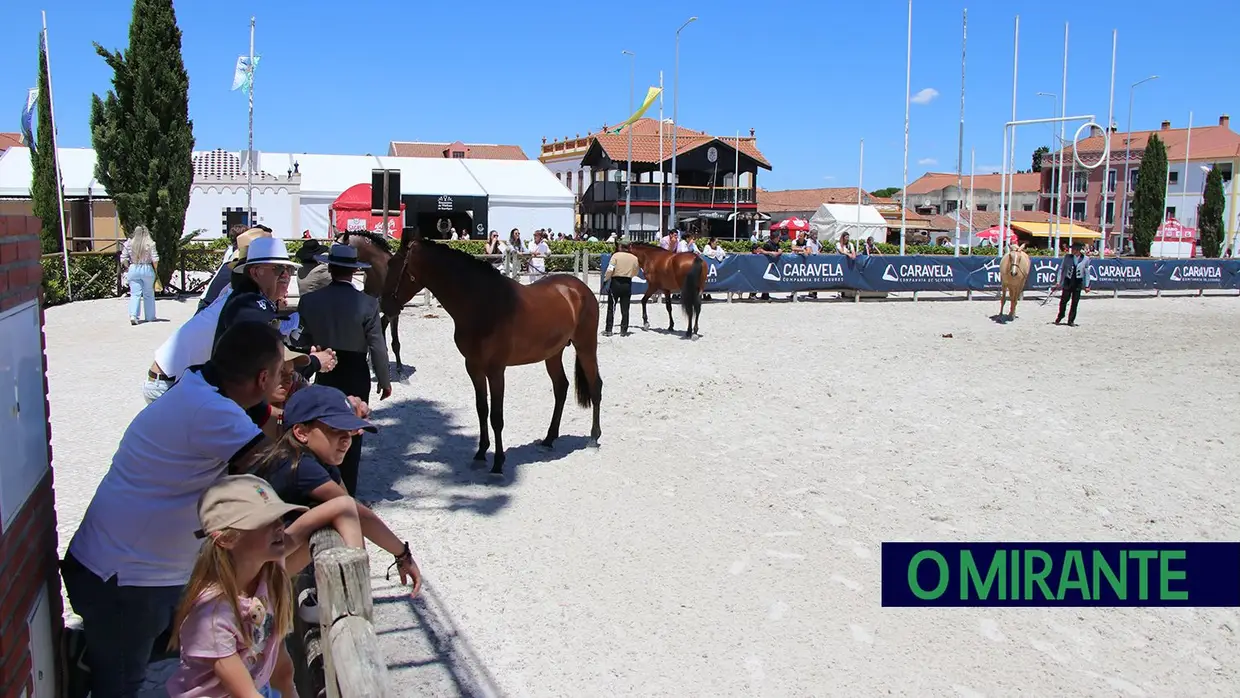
point(725, 538)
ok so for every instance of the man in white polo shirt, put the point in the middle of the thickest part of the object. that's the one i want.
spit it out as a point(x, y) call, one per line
point(135, 548)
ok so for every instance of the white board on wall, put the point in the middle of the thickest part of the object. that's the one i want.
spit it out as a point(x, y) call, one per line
point(23, 419)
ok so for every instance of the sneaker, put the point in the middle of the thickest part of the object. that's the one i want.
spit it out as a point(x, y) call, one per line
point(308, 606)
point(133, 320)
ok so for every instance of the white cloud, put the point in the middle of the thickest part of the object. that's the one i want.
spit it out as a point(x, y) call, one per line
point(927, 162)
point(924, 96)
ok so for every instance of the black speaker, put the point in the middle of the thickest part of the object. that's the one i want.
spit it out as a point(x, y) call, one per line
point(377, 178)
point(393, 192)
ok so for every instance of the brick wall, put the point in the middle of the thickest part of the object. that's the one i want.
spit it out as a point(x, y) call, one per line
point(28, 547)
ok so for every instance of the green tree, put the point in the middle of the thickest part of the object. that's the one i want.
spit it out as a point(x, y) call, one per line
point(1210, 214)
point(1148, 204)
point(886, 193)
point(1037, 157)
point(143, 137)
point(44, 194)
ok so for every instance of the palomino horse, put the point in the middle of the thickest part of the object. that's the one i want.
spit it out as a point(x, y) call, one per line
point(501, 322)
point(375, 250)
point(672, 272)
point(1014, 272)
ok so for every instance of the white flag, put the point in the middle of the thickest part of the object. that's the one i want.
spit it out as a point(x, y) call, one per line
point(243, 73)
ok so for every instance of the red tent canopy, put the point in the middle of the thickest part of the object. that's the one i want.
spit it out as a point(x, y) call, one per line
point(791, 224)
point(992, 234)
point(351, 212)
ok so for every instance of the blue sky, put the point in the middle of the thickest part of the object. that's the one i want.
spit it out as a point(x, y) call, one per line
point(811, 77)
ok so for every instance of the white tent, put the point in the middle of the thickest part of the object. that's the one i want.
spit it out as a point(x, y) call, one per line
point(523, 194)
point(832, 220)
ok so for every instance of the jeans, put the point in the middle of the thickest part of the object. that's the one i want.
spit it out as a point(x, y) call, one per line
point(142, 285)
point(121, 625)
point(152, 389)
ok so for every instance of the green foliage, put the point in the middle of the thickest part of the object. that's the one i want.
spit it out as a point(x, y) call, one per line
point(1147, 199)
point(885, 193)
point(142, 134)
point(1037, 157)
point(44, 193)
point(1210, 214)
point(94, 275)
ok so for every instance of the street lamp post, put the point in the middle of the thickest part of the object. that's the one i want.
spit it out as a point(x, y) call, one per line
point(1127, 161)
point(1049, 225)
point(628, 177)
point(675, 118)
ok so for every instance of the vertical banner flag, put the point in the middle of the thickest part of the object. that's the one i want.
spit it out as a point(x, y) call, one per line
point(651, 94)
point(243, 73)
point(32, 98)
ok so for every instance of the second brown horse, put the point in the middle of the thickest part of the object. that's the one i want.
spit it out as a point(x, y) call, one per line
point(672, 272)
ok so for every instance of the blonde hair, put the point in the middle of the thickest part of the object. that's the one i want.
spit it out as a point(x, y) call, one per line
point(140, 245)
point(215, 575)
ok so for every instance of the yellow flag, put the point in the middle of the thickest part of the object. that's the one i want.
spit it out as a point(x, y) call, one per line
point(651, 94)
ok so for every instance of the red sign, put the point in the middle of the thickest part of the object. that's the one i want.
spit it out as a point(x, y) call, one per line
point(1173, 231)
point(355, 221)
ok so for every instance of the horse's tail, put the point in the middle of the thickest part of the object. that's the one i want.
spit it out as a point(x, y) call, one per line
point(691, 292)
point(581, 383)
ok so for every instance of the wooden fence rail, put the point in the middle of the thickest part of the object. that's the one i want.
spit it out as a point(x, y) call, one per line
point(339, 657)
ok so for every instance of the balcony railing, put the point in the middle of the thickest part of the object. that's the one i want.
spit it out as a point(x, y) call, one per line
point(615, 191)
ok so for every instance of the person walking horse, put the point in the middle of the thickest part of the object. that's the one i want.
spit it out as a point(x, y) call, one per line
point(344, 319)
point(619, 275)
point(1073, 276)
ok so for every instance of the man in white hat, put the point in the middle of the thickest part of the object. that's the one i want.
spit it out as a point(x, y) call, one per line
point(259, 284)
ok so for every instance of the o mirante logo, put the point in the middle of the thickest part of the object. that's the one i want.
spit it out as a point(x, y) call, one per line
point(1061, 574)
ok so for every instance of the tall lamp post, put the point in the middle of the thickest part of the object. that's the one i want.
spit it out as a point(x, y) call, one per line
point(1127, 161)
point(628, 176)
point(675, 118)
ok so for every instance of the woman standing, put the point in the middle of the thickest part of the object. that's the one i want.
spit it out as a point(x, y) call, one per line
point(539, 255)
point(139, 257)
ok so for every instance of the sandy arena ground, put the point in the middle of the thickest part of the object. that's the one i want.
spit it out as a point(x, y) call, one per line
point(725, 539)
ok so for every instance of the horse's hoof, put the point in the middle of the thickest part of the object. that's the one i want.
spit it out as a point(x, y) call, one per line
point(480, 456)
point(547, 443)
point(592, 443)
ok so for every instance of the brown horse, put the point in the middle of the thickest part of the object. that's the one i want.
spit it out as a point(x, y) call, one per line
point(501, 322)
point(672, 272)
point(376, 250)
point(1013, 273)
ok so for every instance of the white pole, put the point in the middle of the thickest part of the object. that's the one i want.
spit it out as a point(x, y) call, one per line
point(1188, 145)
point(662, 169)
point(736, 185)
point(1063, 146)
point(860, 176)
point(964, 38)
point(908, 86)
point(249, 185)
point(972, 172)
point(628, 167)
point(675, 115)
point(60, 187)
point(1003, 180)
point(1106, 172)
point(1012, 160)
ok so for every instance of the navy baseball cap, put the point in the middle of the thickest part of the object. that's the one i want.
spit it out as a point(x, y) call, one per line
point(324, 404)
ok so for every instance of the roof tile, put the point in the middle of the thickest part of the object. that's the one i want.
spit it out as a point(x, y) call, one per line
point(936, 181)
point(477, 151)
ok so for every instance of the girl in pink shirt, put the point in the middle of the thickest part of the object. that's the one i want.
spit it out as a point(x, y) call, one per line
point(238, 605)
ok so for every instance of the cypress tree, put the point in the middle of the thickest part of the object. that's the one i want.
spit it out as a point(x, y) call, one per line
point(143, 137)
point(44, 194)
point(1148, 205)
point(1210, 214)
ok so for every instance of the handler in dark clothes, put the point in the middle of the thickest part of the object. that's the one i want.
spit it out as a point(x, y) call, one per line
point(342, 318)
point(1073, 276)
point(623, 266)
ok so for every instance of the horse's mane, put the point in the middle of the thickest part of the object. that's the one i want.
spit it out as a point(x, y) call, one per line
point(377, 239)
point(648, 246)
point(479, 275)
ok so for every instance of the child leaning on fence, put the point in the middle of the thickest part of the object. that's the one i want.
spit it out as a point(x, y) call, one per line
point(238, 605)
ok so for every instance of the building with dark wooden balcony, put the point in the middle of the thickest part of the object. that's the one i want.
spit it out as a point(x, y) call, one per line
point(711, 191)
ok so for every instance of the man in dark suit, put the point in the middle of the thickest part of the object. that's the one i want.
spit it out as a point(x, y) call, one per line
point(344, 319)
point(1073, 277)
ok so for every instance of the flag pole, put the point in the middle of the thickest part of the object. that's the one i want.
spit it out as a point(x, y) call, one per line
point(736, 185)
point(908, 77)
point(249, 184)
point(964, 38)
point(60, 187)
point(662, 170)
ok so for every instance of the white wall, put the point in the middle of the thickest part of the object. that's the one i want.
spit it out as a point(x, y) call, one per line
point(559, 168)
point(528, 219)
point(274, 207)
point(1186, 203)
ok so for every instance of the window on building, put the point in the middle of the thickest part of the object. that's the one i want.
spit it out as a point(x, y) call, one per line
point(981, 207)
point(1080, 182)
point(580, 178)
point(1112, 176)
point(1224, 168)
point(1170, 212)
point(1110, 213)
point(1173, 177)
point(560, 176)
point(1078, 210)
point(459, 154)
point(568, 180)
point(951, 205)
point(1132, 178)
point(1027, 207)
